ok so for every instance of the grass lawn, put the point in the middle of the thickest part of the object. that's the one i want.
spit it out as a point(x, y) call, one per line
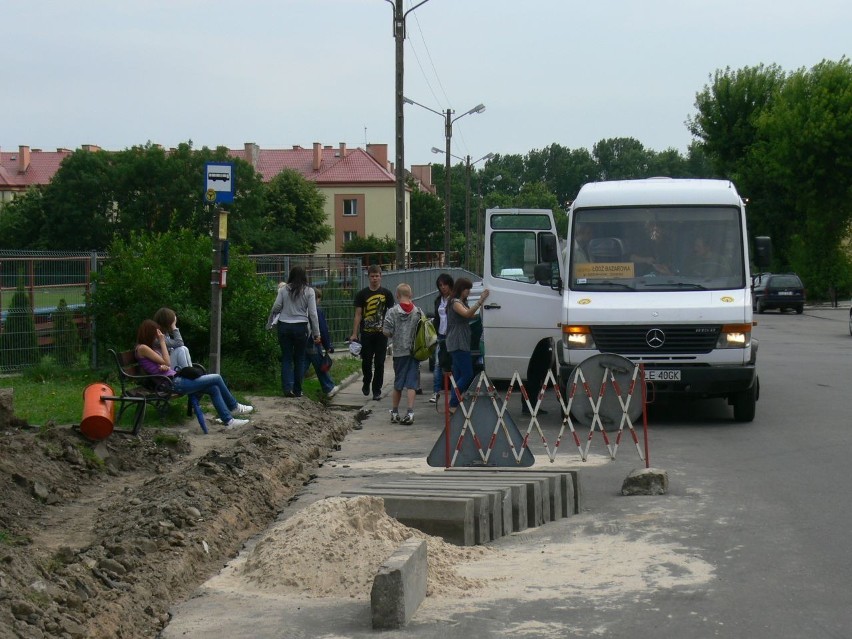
point(44, 396)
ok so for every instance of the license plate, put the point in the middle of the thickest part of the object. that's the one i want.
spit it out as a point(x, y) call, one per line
point(662, 375)
point(785, 292)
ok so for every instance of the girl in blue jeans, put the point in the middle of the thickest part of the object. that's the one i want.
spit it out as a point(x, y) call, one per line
point(157, 362)
point(458, 335)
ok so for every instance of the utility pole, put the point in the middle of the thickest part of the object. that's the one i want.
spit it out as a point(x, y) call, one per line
point(399, 36)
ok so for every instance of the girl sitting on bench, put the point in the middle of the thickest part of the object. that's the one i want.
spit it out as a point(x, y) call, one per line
point(153, 357)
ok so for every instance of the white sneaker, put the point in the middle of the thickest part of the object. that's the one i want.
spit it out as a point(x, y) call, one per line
point(333, 391)
point(242, 409)
point(394, 417)
point(236, 423)
point(408, 419)
point(435, 397)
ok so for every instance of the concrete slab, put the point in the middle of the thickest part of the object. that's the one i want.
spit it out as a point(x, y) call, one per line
point(399, 586)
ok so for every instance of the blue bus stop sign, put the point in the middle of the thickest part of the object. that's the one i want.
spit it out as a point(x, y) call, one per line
point(219, 182)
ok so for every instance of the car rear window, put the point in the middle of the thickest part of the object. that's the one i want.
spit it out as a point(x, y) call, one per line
point(786, 281)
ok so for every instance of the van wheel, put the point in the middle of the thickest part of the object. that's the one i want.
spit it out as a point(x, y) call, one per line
point(745, 404)
point(800, 309)
point(760, 307)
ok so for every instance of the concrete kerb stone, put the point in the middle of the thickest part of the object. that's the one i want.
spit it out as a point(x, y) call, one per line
point(538, 491)
point(514, 498)
point(481, 503)
point(500, 498)
point(399, 586)
point(451, 518)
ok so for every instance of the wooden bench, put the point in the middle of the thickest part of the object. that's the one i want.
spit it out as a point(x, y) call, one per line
point(138, 389)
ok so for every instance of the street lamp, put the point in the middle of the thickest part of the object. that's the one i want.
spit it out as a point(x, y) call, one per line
point(467, 167)
point(448, 134)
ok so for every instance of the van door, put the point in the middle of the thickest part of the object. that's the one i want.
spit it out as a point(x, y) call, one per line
point(520, 311)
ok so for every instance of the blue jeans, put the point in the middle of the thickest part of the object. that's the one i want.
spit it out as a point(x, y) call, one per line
point(211, 384)
point(313, 355)
point(438, 377)
point(292, 338)
point(462, 372)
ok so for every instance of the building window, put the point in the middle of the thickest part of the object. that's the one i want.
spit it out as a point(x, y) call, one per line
point(348, 236)
point(350, 207)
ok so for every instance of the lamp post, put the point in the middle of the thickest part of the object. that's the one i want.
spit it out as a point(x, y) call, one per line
point(448, 134)
point(468, 165)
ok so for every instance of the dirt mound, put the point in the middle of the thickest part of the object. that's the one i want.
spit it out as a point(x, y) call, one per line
point(98, 540)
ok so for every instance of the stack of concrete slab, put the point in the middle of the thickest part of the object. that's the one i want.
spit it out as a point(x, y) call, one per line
point(468, 506)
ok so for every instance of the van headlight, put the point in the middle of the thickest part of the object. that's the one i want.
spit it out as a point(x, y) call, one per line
point(577, 337)
point(734, 336)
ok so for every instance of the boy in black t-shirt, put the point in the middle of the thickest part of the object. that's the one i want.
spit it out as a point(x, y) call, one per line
point(371, 304)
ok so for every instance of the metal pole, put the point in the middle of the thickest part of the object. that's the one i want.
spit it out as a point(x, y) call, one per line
point(399, 36)
point(467, 214)
point(479, 247)
point(448, 133)
point(215, 298)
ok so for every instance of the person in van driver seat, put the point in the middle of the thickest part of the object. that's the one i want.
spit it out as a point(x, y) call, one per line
point(655, 253)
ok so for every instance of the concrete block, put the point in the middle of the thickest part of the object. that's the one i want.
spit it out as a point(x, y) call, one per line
point(451, 518)
point(483, 502)
point(538, 491)
point(500, 497)
point(399, 586)
point(646, 481)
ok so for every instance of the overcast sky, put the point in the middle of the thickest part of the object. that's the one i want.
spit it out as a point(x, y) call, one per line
point(118, 73)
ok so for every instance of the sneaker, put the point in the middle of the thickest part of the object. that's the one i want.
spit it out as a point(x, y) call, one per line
point(377, 396)
point(365, 388)
point(236, 423)
point(242, 409)
point(409, 418)
point(289, 393)
point(333, 391)
point(435, 397)
point(419, 391)
point(394, 417)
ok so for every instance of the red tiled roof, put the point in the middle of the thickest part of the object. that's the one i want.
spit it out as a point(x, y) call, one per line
point(357, 167)
point(43, 165)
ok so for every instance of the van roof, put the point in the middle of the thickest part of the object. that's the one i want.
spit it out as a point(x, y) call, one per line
point(657, 191)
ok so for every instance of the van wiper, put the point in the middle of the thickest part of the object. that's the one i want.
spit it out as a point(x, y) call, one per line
point(626, 287)
point(690, 285)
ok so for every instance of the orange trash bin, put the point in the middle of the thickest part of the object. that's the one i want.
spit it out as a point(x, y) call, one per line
point(98, 414)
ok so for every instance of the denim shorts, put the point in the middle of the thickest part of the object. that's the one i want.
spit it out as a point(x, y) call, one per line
point(406, 370)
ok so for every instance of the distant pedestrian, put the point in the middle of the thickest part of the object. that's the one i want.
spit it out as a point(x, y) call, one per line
point(399, 325)
point(314, 351)
point(458, 336)
point(371, 303)
point(444, 284)
point(297, 321)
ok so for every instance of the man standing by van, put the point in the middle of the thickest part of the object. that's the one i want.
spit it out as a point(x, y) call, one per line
point(371, 304)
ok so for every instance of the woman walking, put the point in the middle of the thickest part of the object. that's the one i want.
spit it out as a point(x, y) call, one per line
point(296, 307)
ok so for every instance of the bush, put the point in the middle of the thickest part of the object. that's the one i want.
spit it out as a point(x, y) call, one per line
point(173, 269)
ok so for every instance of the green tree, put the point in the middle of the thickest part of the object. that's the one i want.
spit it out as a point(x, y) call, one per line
point(382, 250)
point(292, 219)
point(427, 221)
point(18, 343)
point(22, 221)
point(66, 338)
point(621, 159)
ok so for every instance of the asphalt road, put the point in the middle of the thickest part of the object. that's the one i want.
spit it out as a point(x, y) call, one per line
point(751, 541)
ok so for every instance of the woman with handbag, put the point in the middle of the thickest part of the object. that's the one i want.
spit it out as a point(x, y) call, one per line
point(153, 357)
point(296, 307)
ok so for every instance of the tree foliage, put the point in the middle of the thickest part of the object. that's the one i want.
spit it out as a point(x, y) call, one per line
point(785, 140)
point(18, 343)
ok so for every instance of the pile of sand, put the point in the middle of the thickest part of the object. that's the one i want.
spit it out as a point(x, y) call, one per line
point(334, 547)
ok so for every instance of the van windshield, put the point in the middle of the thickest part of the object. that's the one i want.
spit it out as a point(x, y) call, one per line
point(655, 248)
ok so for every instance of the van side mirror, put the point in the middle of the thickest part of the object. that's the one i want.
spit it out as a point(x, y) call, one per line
point(547, 274)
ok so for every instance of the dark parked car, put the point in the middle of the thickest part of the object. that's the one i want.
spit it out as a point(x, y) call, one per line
point(777, 290)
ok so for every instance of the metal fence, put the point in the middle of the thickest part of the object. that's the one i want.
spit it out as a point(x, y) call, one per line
point(43, 297)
